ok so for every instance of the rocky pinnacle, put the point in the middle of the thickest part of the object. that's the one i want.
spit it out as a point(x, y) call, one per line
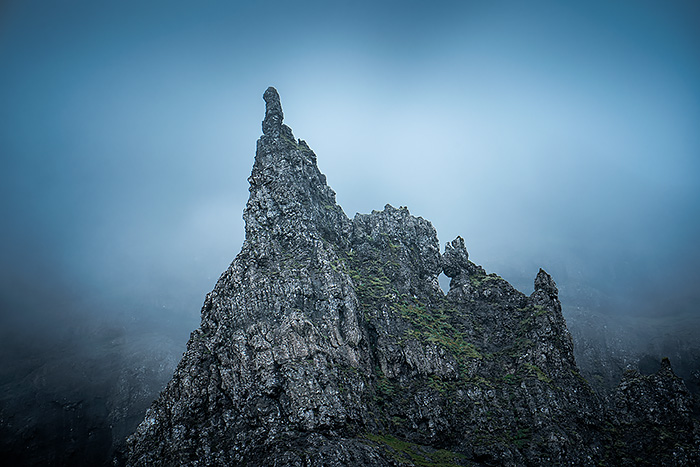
point(273, 112)
point(329, 342)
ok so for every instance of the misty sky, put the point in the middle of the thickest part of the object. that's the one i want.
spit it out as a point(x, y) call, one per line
point(555, 134)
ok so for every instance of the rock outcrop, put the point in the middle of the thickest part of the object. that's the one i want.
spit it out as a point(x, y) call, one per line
point(652, 423)
point(329, 342)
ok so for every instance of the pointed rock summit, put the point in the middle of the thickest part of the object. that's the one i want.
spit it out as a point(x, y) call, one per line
point(272, 124)
point(545, 284)
point(290, 202)
point(455, 261)
point(273, 111)
point(329, 342)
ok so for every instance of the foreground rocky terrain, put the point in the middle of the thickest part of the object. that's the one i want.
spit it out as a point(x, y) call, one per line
point(75, 401)
point(328, 341)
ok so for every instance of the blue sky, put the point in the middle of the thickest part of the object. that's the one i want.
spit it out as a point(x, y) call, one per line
point(554, 134)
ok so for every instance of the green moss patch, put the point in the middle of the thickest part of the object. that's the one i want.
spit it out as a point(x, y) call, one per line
point(407, 453)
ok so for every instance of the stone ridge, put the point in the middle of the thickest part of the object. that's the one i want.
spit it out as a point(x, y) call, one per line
point(328, 342)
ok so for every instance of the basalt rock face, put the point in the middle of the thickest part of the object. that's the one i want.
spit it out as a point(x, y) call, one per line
point(653, 425)
point(329, 342)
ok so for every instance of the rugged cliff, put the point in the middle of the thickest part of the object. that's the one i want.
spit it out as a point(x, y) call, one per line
point(329, 342)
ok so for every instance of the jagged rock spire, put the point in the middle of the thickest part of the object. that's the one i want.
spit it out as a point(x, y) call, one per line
point(544, 283)
point(290, 201)
point(455, 259)
point(273, 112)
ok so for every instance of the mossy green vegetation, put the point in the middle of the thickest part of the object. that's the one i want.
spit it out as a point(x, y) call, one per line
point(520, 346)
point(531, 312)
point(426, 323)
point(292, 142)
point(536, 371)
point(522, 437)
point(575, 373)
point(385, 387)
point(369, 277)
point(511, 379)
point(431, 325)
point(478, 280)
point(407, 453)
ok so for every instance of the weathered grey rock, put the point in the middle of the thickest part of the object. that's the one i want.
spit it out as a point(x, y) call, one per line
point(456, 259)
point(653, 423)
point(329, 342)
